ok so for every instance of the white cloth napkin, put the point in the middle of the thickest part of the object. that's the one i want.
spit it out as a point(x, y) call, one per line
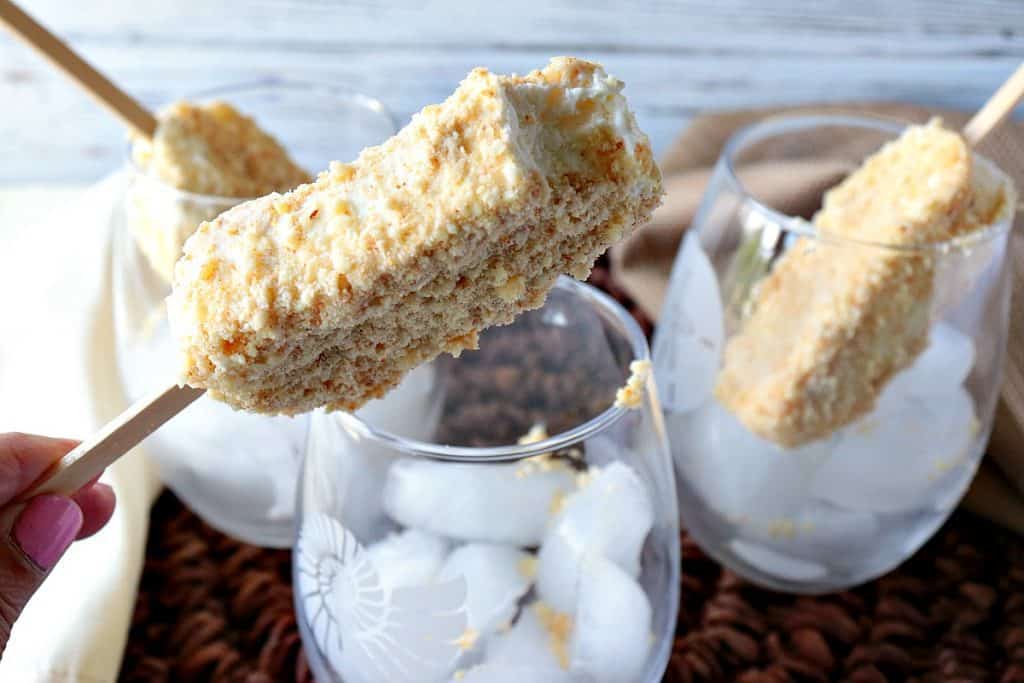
point(58, 376)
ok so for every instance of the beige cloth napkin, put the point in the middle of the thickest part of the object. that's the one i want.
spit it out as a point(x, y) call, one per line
point(643, 263)
point(58, 377)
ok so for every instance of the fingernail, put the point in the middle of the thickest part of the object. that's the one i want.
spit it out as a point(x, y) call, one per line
point(46, 527)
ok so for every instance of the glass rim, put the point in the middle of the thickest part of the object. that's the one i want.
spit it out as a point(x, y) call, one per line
point(785, 123)
point(354, 96)
point(606, 307)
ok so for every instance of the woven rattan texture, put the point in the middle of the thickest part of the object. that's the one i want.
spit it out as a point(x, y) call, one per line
point(213, 609)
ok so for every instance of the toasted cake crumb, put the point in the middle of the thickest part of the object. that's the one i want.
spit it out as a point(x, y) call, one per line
point(559, 628)
point(543, 462)
point(468, 640)
point(632, 394)
point(537, 433)
point(528, 567)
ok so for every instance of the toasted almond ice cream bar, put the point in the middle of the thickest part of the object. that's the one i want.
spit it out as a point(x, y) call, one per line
point(833, 321)
point(328, 294)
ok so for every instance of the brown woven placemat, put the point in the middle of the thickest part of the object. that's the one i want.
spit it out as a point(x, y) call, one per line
point(213, 609)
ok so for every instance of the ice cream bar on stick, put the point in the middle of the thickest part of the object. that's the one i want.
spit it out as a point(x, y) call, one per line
point(329, 294)
point(841, 313)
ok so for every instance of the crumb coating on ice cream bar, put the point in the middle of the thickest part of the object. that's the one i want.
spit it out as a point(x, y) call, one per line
point(211, 148)
point(836, 318)
point(328, 294)
point(210, 151)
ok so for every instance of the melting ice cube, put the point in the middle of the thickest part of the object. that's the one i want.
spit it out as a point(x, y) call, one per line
point(741, 476)
point(892, 459)
point(942, 366)
point(820, 532)
point(408, 558)
point(610, 517)
point(353, 468)
point(776, 563)
point(538, 645)
point(688, 343)
point(498, 503)
point(612, 633)
point(497, 576)
point(368, 631)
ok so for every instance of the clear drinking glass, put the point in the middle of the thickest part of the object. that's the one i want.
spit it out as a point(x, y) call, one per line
point(444, 535)
point(847, 507)
point(237, 471)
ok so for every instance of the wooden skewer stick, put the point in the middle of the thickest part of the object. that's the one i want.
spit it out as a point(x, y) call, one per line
point(115, 439)
point(140, 420)
point(995, 111)
point(123, 105)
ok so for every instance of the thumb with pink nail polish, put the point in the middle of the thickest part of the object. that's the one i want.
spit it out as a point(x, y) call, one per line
point(34, 535)
point(46, 528)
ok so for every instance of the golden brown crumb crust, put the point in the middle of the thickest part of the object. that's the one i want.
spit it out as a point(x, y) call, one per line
point(212, 148)
point(329, 294)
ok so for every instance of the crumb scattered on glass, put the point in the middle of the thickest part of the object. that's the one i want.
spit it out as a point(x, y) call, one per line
point(632, 394)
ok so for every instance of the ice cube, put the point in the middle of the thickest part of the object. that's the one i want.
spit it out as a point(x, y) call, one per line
point(414, 633)
point(612, 633)
point(352, 466)
point(954, 484)
point(497, 576)
point(408, 558)
point(609, 516)
point(944, 364)
point(541, 645)
point(688, 342)
point(368, 630)
point(506, 503)
point(558, 571)
point(892, 459)
point(356, 466)
point(776, 563)
point(819, 532)
point(742, 477)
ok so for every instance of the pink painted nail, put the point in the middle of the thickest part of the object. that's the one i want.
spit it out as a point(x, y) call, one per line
point(46, 527)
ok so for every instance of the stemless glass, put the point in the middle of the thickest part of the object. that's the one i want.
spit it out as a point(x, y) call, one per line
point(237, 471)
point(847, 507)
point(444, 535)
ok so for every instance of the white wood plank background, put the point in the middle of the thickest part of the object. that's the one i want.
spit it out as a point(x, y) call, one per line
point(677, 57)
